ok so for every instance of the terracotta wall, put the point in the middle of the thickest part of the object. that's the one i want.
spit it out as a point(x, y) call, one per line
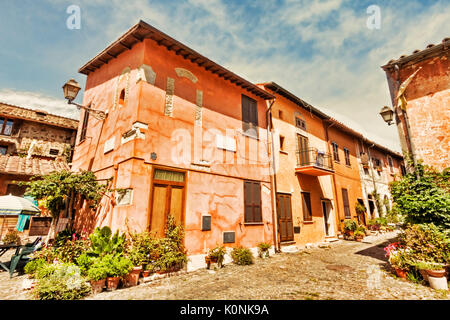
point(428, 108)
point(214, 176)
point(345, 176)
point(288, 182)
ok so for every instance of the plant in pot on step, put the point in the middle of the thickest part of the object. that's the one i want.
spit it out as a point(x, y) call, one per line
point(399, 258)
point(263, 250)
point(117, 267)
point(97, 274)
point(359, 235)
point(350, 227)
point(215, 255)
point(434, 273)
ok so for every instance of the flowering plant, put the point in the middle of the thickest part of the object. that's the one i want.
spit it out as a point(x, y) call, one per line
point(398, 255)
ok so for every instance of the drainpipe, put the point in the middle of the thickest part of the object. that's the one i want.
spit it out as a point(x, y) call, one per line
point(273, 176)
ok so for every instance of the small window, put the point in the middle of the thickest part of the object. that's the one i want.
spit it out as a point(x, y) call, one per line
point(335, 151)
point(403, 169)
point(347, 157)
point(282, 143)
point(300, 123)
point(249, 116)
point(252, 202)
point(122, 97)
point(54, 152)
point(41, 113)
point(306, 200)
point(280, 114)
point(6, 126)
point(3, 150)
point(391, 164)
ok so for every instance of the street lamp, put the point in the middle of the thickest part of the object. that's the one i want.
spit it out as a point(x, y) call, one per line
point(387, 114)
point(71, 89)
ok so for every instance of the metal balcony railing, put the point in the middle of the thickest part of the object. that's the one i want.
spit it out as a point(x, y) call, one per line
point(314, 157)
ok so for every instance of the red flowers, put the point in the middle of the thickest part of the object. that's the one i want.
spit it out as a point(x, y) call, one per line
point(392, 247)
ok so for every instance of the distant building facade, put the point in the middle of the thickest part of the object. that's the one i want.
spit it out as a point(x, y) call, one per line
point(32, 142)
point(428, 102)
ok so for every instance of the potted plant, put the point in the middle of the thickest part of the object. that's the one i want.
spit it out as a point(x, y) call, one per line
point(215, 255)
point(263, 250)
point(359, 235)
point(350, 227)
point(118, 267)
point(398, 258)
point(434, 273)
point(97, 274)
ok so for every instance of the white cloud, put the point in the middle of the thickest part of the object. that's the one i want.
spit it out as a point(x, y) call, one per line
point(322, 51)
point(37, 101)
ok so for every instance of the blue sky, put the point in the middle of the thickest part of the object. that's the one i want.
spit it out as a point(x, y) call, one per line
point(322, 51)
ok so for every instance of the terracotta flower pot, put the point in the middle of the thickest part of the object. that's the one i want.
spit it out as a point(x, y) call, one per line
point(97, 285)
point(436, 273)
point(145, 273)
point(424, 274)
point(112, 283)
point(401, 273)
point(132, 278)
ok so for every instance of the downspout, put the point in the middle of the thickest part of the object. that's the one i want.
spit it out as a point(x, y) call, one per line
point(273, 176)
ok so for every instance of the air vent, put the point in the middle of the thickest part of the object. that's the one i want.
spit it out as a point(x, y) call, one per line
point(54, 152)
point(206, 223)
point(229, 237)
point(41, 113)
point(296, 229)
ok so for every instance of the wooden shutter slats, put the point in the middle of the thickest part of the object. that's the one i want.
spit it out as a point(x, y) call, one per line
point(252, 201)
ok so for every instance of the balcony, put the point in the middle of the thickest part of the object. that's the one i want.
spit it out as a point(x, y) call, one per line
point(314, 162)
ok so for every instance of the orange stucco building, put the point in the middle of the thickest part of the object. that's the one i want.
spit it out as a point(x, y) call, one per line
point(234, 162)
point(183, 136)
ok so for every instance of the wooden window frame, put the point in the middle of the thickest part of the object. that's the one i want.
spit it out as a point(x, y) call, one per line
point(346, 204)
point(247, 115)
point(6, 149)
point(307, 207)
point(250, 217)
point(390, 162)
point(334, 146)
point(3, 126)
point(347, 157)
point(300, 123)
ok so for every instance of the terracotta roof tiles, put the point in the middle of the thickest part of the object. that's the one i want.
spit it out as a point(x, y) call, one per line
point(37, 115)
point(33, 166)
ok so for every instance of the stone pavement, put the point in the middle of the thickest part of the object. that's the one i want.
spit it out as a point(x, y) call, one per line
point(345, 270)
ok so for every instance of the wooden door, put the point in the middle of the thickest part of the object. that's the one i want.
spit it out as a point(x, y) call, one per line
point(284, 212)
point(167, 199)
point(303, 158)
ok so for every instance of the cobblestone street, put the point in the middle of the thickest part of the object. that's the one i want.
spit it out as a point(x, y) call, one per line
point(347, 270)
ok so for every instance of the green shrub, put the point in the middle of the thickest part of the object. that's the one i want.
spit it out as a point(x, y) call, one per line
point(12, 237)
point(84, 262)
point(69, 251)
point(98, 270)
point(104, 243)
point(139, 247)
point(426, 243)
point(116, 266)
point(64, 282)
point(350, 225)
point(242, 256)
point(67, 234)
point(218, 253)
point(33, 265)
point(423, 197)
point(428, 266)
point(263, 249)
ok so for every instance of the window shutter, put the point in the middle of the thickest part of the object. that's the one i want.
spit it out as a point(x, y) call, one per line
point(257, 216)
point(252, 201)
point(345, 201)
point(84, 126)
point(307, 214)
